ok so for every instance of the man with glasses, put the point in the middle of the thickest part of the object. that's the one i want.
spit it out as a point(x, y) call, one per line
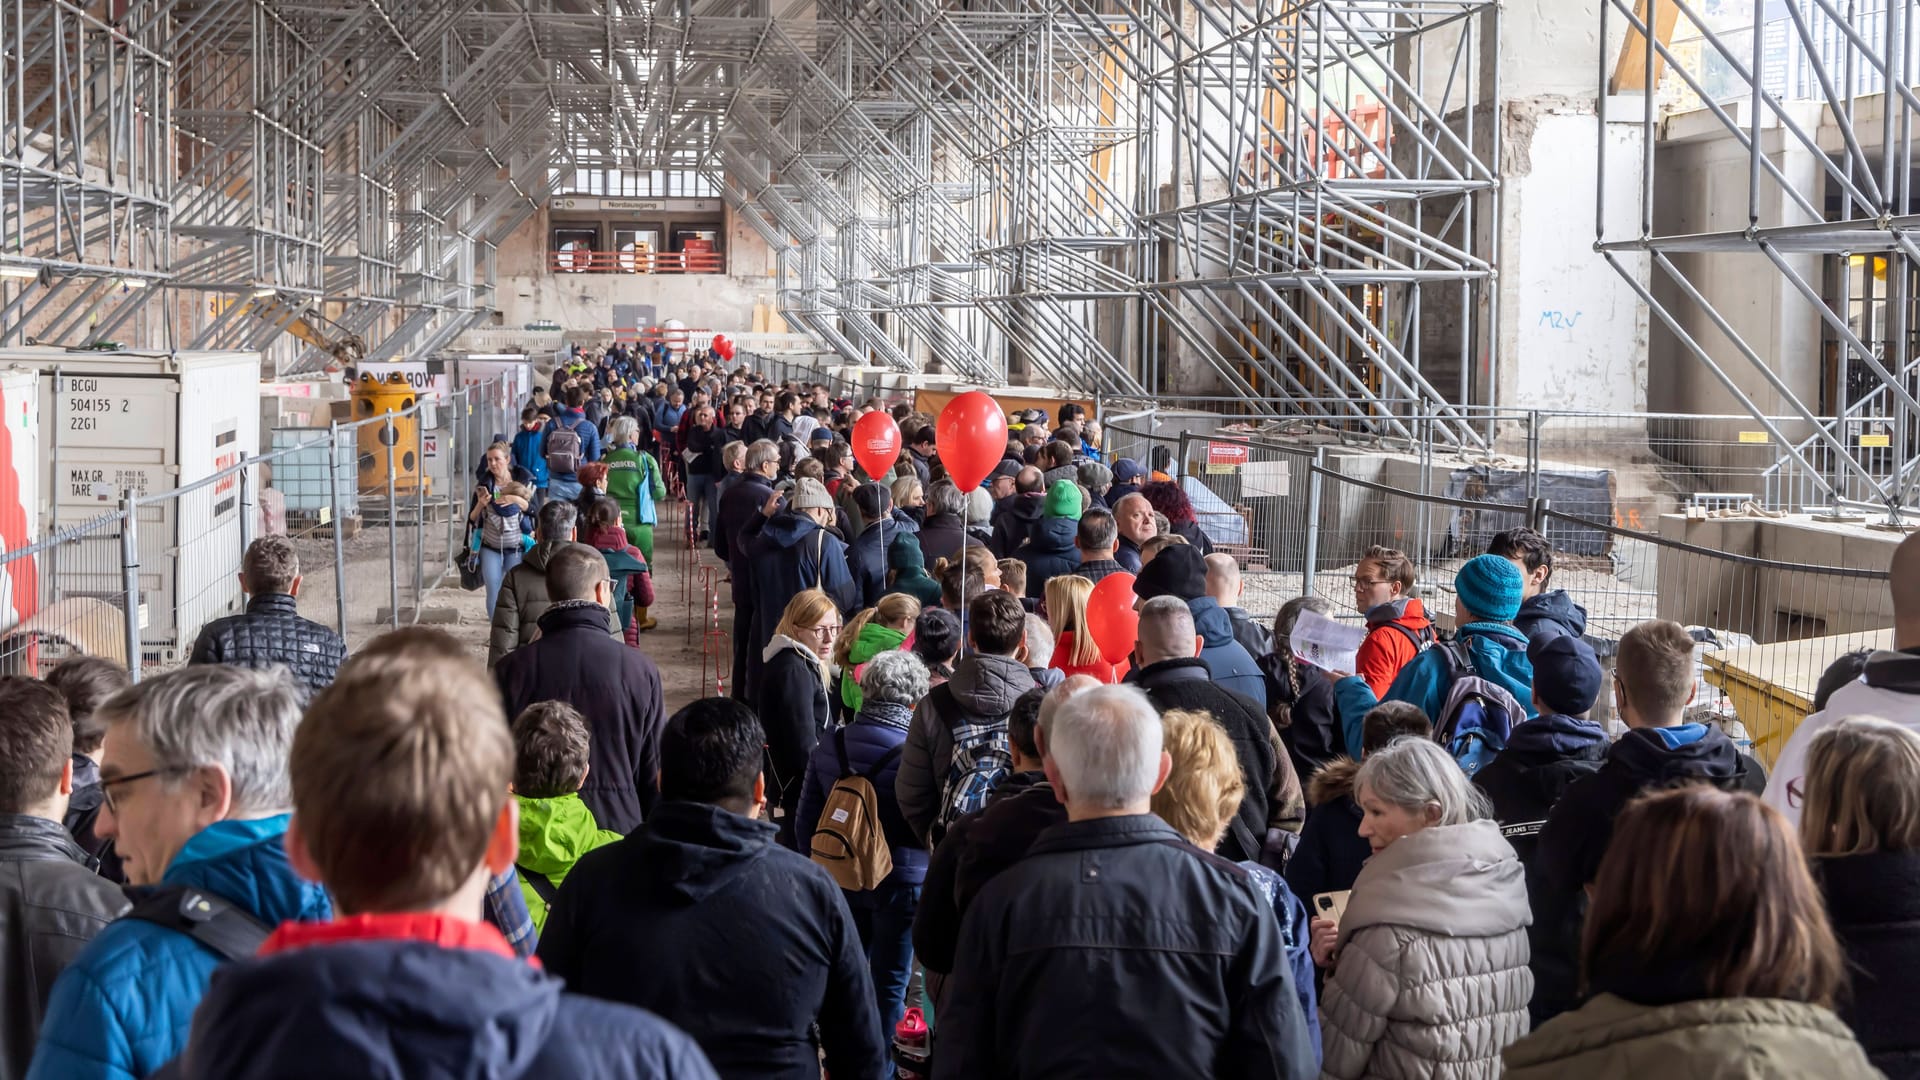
point(1397, 625)
point(615, 686)
point(50, 903)
point(194, 774)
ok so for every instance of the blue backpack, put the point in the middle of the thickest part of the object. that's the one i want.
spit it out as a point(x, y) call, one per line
point(1479, 714)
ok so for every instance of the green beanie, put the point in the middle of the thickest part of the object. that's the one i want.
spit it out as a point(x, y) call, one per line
point(1063, 500)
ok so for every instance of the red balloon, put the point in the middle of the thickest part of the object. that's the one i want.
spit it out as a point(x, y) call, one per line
point(971, 436)
point(876, 443)
point(720, 342)
point(1111, 620)
point(726, 350)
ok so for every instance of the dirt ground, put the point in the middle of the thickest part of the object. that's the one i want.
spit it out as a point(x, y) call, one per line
point(675, 646)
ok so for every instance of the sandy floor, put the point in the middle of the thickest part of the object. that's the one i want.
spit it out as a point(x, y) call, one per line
point(463, 614)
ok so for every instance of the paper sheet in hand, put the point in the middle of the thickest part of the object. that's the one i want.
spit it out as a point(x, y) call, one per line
point(1326, 643)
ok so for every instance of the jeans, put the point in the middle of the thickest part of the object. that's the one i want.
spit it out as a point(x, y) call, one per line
point(884, 918)
point(699, 493)
point(493, 570)
point(564, 488)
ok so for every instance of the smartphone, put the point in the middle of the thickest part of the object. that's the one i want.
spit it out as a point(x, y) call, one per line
point(1331, 905)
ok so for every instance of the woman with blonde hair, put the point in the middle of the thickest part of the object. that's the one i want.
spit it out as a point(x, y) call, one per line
point(1706, 952)
point(1860, 827)
point(1428, 961)
point(1199, 800)
point(791, 695)
point(878, 629)
point(1074, 650)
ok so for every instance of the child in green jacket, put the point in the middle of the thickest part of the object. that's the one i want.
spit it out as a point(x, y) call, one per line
point(556, 828)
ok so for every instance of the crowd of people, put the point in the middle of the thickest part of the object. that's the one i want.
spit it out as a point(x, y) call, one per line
point(937, 828)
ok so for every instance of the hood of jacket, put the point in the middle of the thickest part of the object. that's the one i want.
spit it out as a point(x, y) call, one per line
point(555, 832)
point(1609, 1033)
point(538, 555)
point(1458, 880)
point(246, 862)
point(694, 850)
point(1023, 510)
point(789, 528)
point(1408, 611)
point(1333, 781)
point(1212, 622)
point(1555, 608)
point(1651, 762)
point(989, 685)
point(872, 640)
point(779, 643)
point(374, 1009)
point(1053, 536)
point(903, 554)
point(1551, 735)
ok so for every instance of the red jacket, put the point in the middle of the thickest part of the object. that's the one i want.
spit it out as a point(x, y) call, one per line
point(1392, 630)
point(1099, 669)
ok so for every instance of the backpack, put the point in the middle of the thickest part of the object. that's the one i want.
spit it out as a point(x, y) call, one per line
point(215, 922)
point(1479, 713)
point(848, 840)
point(563, 448)
point(981, 759)
point(1422, 639)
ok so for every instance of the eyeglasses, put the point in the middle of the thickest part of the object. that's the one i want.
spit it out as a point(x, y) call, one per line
point(1363, 583)
point(826, 629)
point(107, 786)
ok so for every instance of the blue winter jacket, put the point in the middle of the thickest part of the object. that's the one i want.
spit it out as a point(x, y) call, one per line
point(394, 1008)
point(122, 1008)
point(1499, 654)
point(530, 453)
point(1228, 660)
point(1050, 552)
point(868, 737)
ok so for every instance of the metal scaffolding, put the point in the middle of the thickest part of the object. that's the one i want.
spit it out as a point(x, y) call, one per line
point(1843, 246)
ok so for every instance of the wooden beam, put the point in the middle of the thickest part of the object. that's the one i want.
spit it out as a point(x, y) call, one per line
point(1630, 73)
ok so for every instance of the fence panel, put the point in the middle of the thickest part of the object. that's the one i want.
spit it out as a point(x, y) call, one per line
point(66, 595)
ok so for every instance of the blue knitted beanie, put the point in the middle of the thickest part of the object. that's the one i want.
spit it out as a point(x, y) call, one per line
point(1490, 587)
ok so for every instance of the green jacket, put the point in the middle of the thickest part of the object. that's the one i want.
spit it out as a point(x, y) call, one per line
point(1711, 1039)
point(910, 570)
point(554, 834)
point(872, 640)
point(627, 471)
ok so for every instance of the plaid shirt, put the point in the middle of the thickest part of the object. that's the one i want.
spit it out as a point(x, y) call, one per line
point(507, 913)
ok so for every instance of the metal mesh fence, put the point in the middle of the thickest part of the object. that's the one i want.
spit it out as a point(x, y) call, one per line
point(376, 509)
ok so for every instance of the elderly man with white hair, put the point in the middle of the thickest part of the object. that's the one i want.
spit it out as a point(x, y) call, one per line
point(194, 769)
point(1061, 971)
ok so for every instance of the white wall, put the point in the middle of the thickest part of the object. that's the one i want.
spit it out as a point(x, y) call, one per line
point(1573, 334)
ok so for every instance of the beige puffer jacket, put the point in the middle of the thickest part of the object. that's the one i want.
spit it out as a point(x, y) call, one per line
point(1431, 977)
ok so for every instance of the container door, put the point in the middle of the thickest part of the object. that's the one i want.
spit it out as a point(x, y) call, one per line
point(102, 435)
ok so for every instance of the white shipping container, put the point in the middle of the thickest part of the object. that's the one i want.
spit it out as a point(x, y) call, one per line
point(150, 423)
point(19, 492)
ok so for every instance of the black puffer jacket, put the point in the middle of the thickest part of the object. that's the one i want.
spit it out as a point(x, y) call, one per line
point(1058, 973)
point(270, 632)
point(1580, 826)
point(1014, 521)
point(1331, 850)
point(1874, 901)
point(51, 905)
point(1542, 759)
